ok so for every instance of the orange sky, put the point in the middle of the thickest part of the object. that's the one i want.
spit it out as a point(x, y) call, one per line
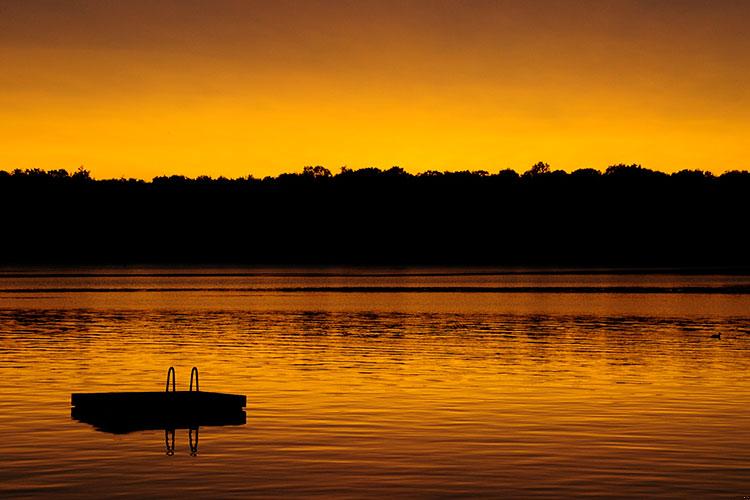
point(143, 88)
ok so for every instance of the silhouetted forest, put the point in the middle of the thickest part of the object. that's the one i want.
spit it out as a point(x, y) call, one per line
point(624, 216)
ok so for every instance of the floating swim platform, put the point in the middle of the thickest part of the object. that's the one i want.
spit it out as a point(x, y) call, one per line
point(158, 401)
point(122, 412)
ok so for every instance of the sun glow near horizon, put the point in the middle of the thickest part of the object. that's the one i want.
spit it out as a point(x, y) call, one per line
point(248, 88)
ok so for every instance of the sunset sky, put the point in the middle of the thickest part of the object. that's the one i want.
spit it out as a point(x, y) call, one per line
point(143, 88)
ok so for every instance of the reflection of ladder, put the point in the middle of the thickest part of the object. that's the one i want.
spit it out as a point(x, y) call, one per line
point(193, 447)
point(169, 441)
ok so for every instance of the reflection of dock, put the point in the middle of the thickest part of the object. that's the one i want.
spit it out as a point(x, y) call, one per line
point(116, 422)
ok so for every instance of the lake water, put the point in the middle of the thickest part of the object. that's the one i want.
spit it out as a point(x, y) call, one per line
point(368, 383)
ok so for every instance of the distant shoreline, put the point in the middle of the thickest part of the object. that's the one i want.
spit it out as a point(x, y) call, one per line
point(624, 218)
point(613, 290)
point(334, 271)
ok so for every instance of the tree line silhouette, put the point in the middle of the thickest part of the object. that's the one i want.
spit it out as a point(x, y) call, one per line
point(625, 216)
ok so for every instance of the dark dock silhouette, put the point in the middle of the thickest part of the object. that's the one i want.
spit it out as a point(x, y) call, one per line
point(125, 412)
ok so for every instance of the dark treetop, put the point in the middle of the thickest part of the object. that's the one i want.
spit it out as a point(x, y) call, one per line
point(625, 216)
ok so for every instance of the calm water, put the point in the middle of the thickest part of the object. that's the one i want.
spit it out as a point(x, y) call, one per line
point(371, 383)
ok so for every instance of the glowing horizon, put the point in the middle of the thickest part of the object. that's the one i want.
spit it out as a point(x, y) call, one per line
point(234, 88)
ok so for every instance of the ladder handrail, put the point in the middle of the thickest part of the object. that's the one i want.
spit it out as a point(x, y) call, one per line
point(194, 371)
point(171, 372)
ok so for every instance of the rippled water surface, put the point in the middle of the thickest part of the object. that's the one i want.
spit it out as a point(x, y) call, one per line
point(365, 384)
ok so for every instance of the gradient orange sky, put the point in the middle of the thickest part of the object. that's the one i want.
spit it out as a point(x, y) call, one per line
point(144, 88)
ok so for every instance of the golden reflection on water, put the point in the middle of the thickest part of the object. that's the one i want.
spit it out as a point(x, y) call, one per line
point(375, 394)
